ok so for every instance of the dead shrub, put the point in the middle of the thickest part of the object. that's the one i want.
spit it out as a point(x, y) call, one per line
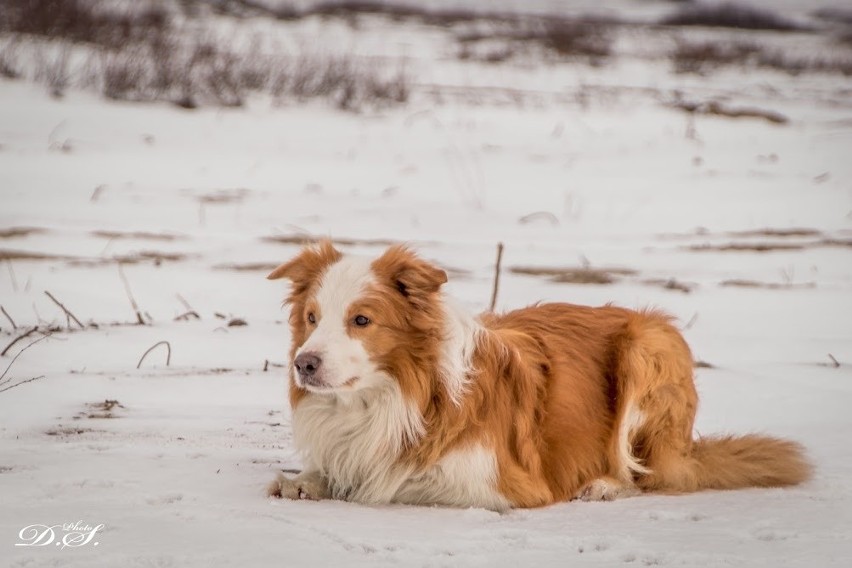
point(83, 21)
point(577, 37)
point(137, 54)
point(565, 38)
point(700, 57)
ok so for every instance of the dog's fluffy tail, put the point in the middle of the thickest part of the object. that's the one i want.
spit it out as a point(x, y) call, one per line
point(733, 462)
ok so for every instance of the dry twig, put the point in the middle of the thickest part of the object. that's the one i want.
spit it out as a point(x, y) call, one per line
point(66, 310)
point(267, 363)
point(187, 316)
point(496, 277)
point(183, 301)
point(17, 339)
point(5, 381)
point(168, 353)
point(4, 389)
point(139, 319)
point(5, 313)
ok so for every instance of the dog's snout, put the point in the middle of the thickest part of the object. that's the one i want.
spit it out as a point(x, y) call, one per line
point(307, 364)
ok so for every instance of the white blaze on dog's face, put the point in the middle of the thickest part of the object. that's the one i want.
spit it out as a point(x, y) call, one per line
point(334, 355)
point(361, 323)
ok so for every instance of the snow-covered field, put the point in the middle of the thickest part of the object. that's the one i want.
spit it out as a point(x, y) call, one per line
point(569, 165)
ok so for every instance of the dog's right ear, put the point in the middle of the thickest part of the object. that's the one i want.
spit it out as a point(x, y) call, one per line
point(308, 265)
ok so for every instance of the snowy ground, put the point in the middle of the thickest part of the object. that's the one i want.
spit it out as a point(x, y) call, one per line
point(580, 167)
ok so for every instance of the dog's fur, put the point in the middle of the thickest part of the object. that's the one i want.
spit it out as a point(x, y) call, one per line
point(426, 404)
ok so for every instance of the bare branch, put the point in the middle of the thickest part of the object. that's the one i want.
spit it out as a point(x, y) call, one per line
point(15, 358)
point(17, 339)
point(21, 383)
point(66, 310)
point(168, 352)
point(496, 277)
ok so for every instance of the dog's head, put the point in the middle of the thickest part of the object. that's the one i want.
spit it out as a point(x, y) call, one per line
point(358, 323)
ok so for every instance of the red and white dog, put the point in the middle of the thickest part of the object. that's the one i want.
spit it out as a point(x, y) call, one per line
point(398, 396)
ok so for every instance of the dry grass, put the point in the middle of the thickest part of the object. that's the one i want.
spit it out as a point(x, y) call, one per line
point(100, 410)
point(575, 275)
point(140, 53)
point(85, 21)
point(743, 283)
point(579, 39)
point(6, 254)
point(10, 61)
point(18, 232)
point(716, 108)
point(770, 246)
point(782, 233)
point(224, 196)
point(67, 431)
point(155, 257)
point(136, 235)
point(350, 9)
point(747, 247)
point(303, 240)
point(248, 266)
point(701, 57)
point(671, 284)
point(729, 15)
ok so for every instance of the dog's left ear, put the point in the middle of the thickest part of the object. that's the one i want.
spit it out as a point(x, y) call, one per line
point(409, 274)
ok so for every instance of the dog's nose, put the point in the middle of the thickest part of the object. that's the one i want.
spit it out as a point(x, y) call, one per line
point(307, 364)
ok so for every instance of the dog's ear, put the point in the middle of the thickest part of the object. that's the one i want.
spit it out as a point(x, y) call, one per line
point(308, 265)
point(412, 276)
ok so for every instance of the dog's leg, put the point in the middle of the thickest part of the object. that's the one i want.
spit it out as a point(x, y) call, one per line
point(655, 369)
point(606, 489)
point(307, 485)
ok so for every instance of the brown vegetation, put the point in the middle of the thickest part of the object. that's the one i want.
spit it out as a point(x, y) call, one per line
point(700, 57)
point(729, 15)
point(140, 54)
point(16, 232)
point(575, 275)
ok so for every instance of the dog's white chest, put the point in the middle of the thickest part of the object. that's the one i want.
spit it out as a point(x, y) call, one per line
point(356, 444)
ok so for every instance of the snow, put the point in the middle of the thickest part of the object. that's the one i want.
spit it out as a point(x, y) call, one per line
point(177, 474)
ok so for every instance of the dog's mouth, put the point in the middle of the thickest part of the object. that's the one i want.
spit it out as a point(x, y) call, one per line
point(322, 387)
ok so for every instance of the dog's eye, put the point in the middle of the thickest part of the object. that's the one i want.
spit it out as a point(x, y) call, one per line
point(312, 318)
point(361, 321)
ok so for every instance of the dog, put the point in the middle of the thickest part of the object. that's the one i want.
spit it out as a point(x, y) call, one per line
point(400, 396)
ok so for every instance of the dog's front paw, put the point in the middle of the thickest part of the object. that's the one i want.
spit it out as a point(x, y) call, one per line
point(311, 487)
point(606, 489)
